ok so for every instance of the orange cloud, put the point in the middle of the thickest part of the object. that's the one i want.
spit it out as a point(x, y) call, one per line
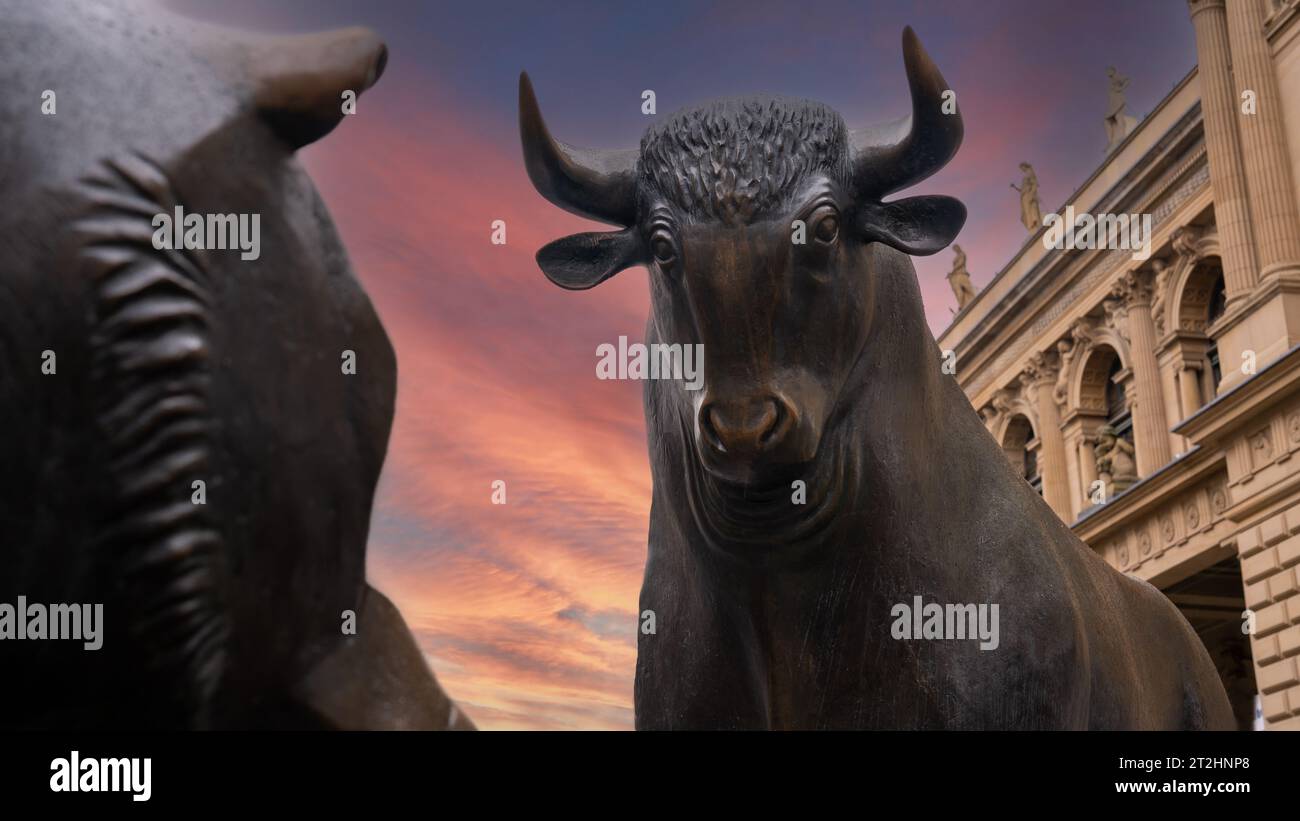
point(526, 610)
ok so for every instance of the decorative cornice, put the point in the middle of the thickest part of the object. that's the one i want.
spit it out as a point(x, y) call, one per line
point(1281, 14)
point(1187, 128)
point(1148, 495)
point(1194, 174)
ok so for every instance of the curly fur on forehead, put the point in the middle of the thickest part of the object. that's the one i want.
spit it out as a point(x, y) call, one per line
point(736, 158)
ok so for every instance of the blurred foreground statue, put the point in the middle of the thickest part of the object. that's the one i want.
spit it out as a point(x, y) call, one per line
point(189, 461)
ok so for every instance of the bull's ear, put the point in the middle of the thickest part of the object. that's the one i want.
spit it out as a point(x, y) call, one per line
point(585, 260)
point(917, 225)
point(301, 81)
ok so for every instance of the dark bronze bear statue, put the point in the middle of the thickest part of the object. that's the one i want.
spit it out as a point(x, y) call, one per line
point(183, 448)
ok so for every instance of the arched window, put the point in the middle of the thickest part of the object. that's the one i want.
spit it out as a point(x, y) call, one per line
point(1016, 443)
point(1031, 471)
point(1201, 304)
point(1218, 304)
point(1117, 412)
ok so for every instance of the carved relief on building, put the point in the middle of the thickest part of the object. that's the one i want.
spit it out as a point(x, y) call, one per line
point(1184, 240)
point(1132, 289)
point(989, 416)
point(1194, 306)
point(1219, 500)
point(1168, 531)
point(1005, 405)
point(1188, 520)
point(1001, 401)
point(1109, 331)
point(1039, 372)
point(1082, 331)
point(1066, 350)
point(1160, 271)
point(1275, 440)
point(1116, 460)
point(1261, 448)
point(1115, 311)
point(1189, 279)
point(1144, 542)
point(1293, 427)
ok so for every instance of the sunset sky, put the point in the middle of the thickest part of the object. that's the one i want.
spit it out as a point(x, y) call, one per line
point(527, 610)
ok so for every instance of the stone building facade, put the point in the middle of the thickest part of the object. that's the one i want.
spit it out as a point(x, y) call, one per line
point(1156, 402)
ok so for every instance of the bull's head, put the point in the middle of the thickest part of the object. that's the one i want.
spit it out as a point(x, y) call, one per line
point(755, 218)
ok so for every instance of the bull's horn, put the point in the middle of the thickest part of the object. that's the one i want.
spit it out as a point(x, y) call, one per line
point(902, 153)
point(599, 185)
point(300, 80)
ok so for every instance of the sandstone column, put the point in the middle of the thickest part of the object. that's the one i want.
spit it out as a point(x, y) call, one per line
point(1040, 375)
point(1087, 467)
point(1151, 429)
point(1073, 474)
point(1275, 218)
point(1189, 383)
point(1169, 374)
point(1220, 107)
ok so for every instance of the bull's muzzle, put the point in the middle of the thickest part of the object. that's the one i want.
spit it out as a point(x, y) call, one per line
point(741, 431)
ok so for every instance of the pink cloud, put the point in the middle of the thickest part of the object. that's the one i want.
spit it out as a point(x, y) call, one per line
point(527, 610)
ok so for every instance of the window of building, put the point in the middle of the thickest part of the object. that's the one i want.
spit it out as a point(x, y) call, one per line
point(1031, 471)
point(1117, 412)
point(1218, 303)
point(1016, 443)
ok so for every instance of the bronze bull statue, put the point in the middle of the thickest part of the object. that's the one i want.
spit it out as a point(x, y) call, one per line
point(183, 448)
point(820, 375)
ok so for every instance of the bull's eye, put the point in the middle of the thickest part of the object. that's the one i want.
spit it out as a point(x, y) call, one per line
point(827, 228)
point(665, 252)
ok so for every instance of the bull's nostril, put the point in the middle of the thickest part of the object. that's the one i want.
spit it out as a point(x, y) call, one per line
point(746, 426)
point(710, 430)
point(773, 423)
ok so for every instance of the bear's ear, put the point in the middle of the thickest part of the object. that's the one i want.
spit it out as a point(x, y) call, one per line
point(584, 261)
point(917, 225)
point(300, 81)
